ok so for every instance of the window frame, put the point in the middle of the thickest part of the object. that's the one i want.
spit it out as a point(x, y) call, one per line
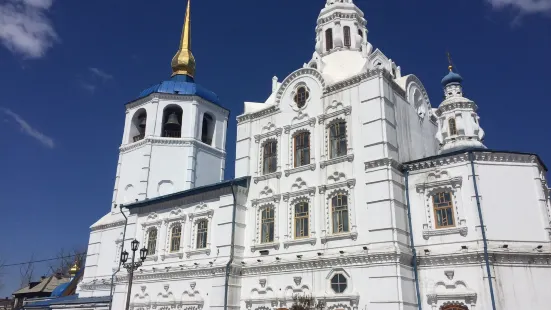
point(452, 126)
point(269, 159)
point(208, 128)
point(301, 96)
point(328, 39)
point(174, 236)
point(267, 223)
point(339, 125)
point(347, 38)
point(302, 148)
point(450, 207)
point(148, 234)
point(340, 277)
point(335, 198)
point(204, 233)
point(303, 218)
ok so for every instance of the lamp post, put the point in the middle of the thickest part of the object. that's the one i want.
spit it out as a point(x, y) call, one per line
point(130, 267)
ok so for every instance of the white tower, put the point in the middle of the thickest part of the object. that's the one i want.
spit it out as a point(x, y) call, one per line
point(174, 135)
point(458, 123)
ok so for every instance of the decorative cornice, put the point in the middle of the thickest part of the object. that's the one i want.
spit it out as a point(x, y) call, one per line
point(438, 162)
point(155, 97)
point(453, 182)
point(152, 140)
point(346, 111)
point(383, 162)
point(295, 75)
point(311, 121)
point(199, 251)
point(311, 241)
point(310, 191)
point(259, 114)
point(467, 105)
point(461, 230)
point(265, 246)
point(348, 183)
point(311, 166)
point(341, 15)
point(267, 177)
point(108, 225)
point(275, 132)
point(365, 76)
point(336, 160)
point(468, 297)
point(273, 198)
point(495, 258)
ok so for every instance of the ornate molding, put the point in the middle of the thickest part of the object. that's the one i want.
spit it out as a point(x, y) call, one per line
point(311, 122)
point(364, 76)
point(312, 241)
point(273, 198)
point(206, 251)
point(463, 103)
point(328, 238)
point(108, 225)
point(349, 158)
point(340, 15)
point(495, 258)
point(295, 75)
point(267, 177)
point(346, 111)
point(311, 167)
point(276, 132)
point(310, 191)
point(348, 183)
point(262, 113)
point(265, 246)
point(153, 140)
point(461, 230)
point(383, 162)
point(453, 182)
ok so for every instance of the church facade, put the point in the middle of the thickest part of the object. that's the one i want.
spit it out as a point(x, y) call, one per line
point(350, 188)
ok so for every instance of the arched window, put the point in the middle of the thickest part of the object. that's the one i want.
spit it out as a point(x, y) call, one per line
point(301, 97)
point(138, 126)
point(152, 241)
point(202, 233)
point(443, 210)
point(347, 41)
point(172, 122)
point(328, 39)
point(175, 237)
point(208, 129)
point(267, 229)
point(338, 283)
point(302, 217)
point(302, 149)
point(339, 207)
point(269, 157)
point(337, 139)
point(452, 126)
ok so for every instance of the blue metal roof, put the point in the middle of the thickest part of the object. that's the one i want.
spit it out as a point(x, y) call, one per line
point(452, 77)
point(66, 300)
point(181, 85)
point(60, 289)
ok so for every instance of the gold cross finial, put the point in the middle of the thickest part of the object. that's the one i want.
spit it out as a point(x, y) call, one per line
point(450, 66)
point(184, 62)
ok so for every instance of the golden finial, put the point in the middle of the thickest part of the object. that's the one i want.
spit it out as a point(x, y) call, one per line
point(184, 62)
point(73, 271)
point(450, 66)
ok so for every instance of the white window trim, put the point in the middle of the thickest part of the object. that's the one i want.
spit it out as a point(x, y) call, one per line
point(327, 192)
point(292, 199)
point(328, 119)
point(427, 190)
point(260, 141)
point(169, 224)
point(259, 205)
point(195, 218)
point(145, 238)
point(293, 92)
point(292, 131)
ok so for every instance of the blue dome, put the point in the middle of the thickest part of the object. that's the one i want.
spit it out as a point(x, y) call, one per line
point(452, 77)
point(181, 85)
point(59, 289)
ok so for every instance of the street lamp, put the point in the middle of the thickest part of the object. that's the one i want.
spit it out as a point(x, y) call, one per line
point(130, 267)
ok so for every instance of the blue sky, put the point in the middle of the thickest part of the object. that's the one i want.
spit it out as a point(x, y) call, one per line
point(68, 67)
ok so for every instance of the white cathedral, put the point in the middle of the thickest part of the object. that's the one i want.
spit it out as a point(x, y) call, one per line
point(350, 188)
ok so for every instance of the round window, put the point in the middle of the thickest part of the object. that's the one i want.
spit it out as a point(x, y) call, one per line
point(338, 283)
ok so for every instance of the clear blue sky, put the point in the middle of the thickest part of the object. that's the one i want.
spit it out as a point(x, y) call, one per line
point(68, 67)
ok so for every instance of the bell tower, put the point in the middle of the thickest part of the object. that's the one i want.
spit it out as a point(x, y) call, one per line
point(174, 135)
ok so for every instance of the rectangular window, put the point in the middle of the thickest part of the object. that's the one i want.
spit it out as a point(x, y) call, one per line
point(339, 205)
point(328, 39)
point(202, 231)
point(301, 220)
point(302, 149)
point(175, 237)
point(347, 41)
point(269, 157)
point(267, 233)
point(337, 139)
point(443, 210)
point(152, 241)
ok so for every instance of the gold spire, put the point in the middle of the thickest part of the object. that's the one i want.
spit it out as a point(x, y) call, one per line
point(184, 62)
point(450, 66)
point(74, 269)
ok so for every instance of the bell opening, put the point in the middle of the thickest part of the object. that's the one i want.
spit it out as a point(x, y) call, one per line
point(138, 126)
point(172, 122)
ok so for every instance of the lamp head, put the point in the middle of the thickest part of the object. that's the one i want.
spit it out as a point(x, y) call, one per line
point(134, 245)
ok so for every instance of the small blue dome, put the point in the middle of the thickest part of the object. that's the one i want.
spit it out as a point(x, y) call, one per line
point(181, 85)
point(452, 77)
